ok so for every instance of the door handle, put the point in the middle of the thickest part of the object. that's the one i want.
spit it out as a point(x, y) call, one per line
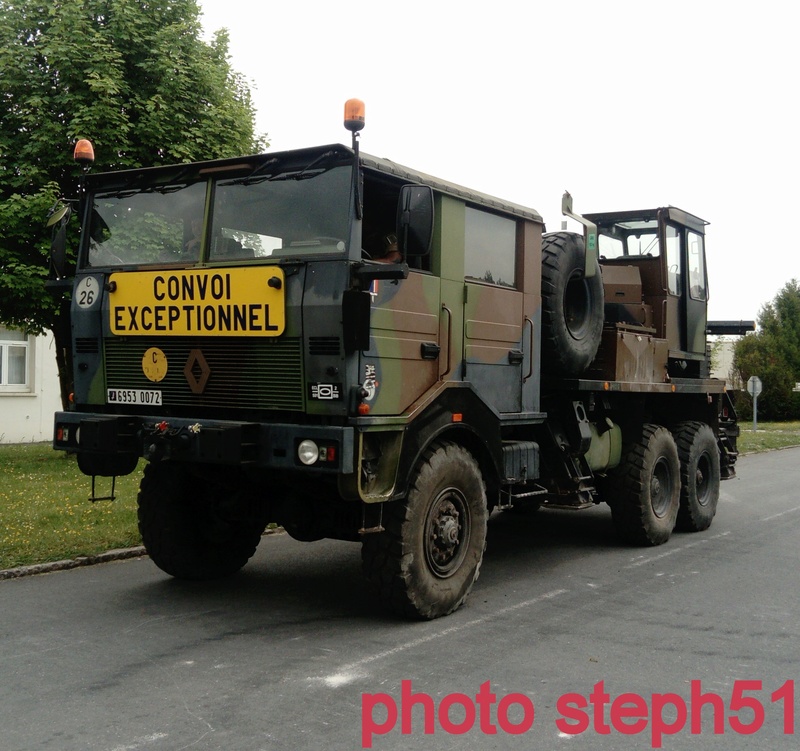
point(530, 351)
point(449, 339)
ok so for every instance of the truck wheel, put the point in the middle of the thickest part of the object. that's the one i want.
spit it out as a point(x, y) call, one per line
point(425, 562)
point(644, 491)
point(572, 306)
point(197, 527)
point(699, 457)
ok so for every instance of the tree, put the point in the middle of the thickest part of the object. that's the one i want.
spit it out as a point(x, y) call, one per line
point(773, 354)
point(133, 76)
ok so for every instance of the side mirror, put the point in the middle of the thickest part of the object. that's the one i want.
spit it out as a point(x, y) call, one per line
point(415, 220)
point(58, 220)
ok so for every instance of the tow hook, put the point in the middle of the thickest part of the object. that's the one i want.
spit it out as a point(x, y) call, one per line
point(163, 441)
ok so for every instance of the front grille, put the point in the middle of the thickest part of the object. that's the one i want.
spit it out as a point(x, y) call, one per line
point(244, 372)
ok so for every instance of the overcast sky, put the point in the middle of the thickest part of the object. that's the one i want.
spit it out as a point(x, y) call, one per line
point(627, 105)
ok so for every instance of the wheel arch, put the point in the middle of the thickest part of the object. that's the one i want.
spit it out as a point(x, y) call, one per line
point(461, 417)
point(467, 437)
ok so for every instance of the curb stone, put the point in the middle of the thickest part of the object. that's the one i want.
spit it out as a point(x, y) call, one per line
point(84, 560)
point(119, 554)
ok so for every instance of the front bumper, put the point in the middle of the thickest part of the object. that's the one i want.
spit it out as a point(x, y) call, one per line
point(269, 445)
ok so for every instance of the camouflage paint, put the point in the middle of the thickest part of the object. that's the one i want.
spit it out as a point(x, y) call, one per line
point(493, 355)
point(529, 271)
point(631, 356)
point(486, 334)
point(405, 316)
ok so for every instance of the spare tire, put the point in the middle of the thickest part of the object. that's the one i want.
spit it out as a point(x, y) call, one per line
point(572, 306)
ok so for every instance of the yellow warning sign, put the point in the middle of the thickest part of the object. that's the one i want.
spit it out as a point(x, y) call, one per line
point(229, 302)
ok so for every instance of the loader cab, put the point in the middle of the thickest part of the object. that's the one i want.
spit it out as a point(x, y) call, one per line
point(654, 274)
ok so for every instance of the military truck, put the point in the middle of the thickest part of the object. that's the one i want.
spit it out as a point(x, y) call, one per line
point(238, 324)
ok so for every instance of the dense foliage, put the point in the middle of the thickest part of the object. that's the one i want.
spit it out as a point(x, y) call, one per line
point(136, 78)
point(773, 354)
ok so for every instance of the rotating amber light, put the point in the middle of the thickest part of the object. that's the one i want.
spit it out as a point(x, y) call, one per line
point(354, 118)
point(84, 152)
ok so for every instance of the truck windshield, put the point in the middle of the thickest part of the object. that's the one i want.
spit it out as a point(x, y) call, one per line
point(282, 216)
point(631, 239)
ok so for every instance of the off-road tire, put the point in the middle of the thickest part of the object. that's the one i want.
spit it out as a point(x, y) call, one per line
point(700, 475)
point(197, 526)
point(425, 562)
point(644, 491)
point(572, 306)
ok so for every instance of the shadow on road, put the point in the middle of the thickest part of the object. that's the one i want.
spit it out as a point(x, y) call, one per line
point(288, 581)
point(549, 532)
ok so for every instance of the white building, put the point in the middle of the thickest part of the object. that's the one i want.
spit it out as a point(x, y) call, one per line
point(722, 362)
point(29, 390)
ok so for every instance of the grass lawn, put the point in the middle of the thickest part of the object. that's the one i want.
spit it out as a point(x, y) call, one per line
point(769, 435)
point(45, 514)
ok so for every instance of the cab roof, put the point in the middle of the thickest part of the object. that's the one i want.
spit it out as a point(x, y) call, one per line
point(448, 188)
point(295, 159)
point(629, 219)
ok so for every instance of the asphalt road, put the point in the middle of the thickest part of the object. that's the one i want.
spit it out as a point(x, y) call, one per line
point(569, 641)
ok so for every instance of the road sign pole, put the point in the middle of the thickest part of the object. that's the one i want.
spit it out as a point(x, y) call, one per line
point(754, 389)
point(755, 413)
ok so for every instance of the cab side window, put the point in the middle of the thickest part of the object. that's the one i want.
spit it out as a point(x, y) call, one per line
point(490, 248)
point(697, 267)
point(673, 260)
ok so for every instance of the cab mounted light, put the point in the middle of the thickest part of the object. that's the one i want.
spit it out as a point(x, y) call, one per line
point(354, 121)
point(84, 152)
point(354, 115)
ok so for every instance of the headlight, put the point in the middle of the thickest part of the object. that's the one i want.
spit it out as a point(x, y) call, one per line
point(308, 452)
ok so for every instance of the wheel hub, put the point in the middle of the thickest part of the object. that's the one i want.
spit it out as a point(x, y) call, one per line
point(444, 544)
point(444, 530)
point(660, 488)
point(701, 480)
point(655, 487)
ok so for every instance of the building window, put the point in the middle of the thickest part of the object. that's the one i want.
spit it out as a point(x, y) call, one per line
point(490, 245)
point(15, 356)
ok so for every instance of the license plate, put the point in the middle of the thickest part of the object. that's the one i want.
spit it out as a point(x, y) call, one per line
point(134, 396)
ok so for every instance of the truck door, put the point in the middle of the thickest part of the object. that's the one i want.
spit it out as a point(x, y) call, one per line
point(493, 310)
point(686, 277)
point(492, 344)
point(697, 293)
point(403, 360)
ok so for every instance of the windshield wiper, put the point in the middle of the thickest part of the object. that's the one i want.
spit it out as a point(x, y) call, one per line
point(128, 192)
point(255, 177)
point(135, 185)
point(307, 168)
point(306, 173)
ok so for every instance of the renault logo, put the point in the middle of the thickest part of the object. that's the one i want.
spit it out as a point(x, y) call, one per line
point(196, 371)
